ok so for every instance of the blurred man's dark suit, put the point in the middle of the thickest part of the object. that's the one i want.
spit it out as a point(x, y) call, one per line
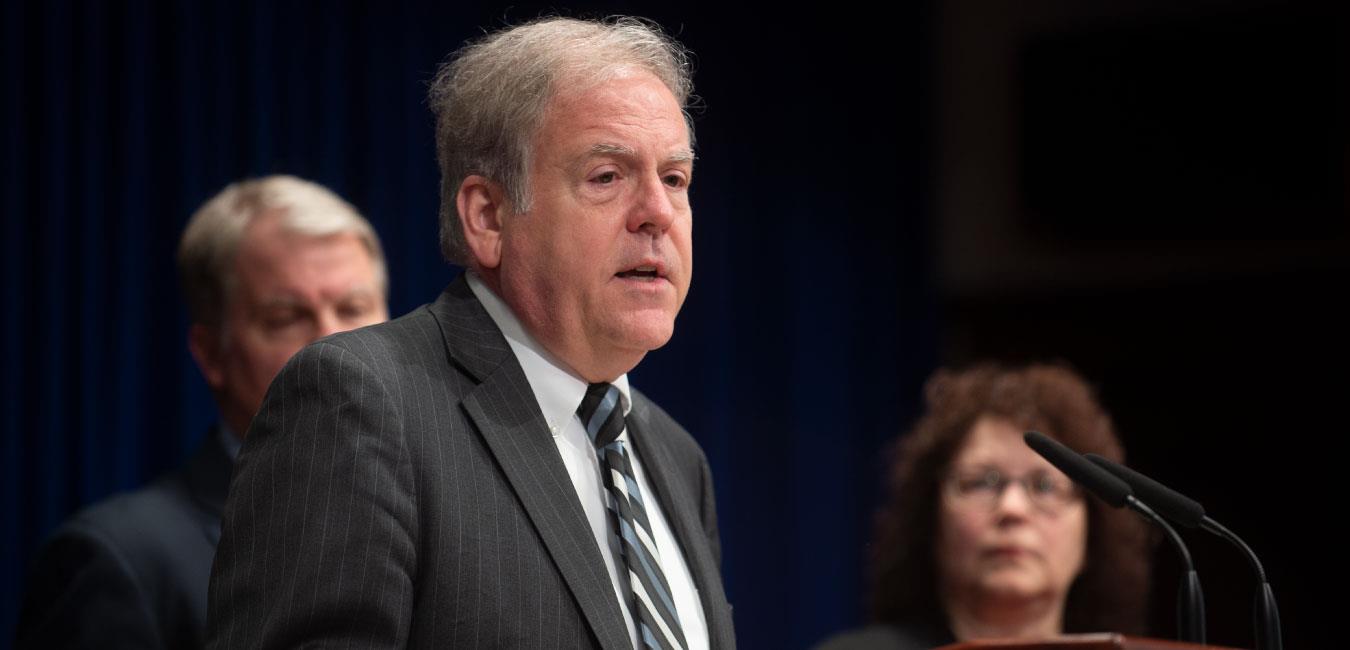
point(400, 488)
point(131, 571)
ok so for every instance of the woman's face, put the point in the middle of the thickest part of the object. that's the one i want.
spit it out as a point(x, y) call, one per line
point(1010, 525)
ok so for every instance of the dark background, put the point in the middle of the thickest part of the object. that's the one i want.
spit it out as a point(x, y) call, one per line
point(1152, 191)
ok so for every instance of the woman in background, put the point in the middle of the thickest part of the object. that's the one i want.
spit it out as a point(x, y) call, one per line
point(982, 538)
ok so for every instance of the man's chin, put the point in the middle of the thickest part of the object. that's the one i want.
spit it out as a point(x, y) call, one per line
point(644, 332)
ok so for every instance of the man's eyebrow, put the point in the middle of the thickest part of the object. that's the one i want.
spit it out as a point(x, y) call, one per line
point(280, 302)
point(683, 155)
point(360, 291)
point(610, 149)
point(605, 148)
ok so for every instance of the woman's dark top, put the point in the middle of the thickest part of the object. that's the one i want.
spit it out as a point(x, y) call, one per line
point(889, 637)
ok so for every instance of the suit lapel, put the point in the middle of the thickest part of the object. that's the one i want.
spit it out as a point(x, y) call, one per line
point(682, 512)
point(504, 410)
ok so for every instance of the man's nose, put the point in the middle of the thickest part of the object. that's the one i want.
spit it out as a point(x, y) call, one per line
point(326, 323)
point(655, 207)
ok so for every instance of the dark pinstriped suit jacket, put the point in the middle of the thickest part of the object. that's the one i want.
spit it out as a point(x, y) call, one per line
point(400, 488)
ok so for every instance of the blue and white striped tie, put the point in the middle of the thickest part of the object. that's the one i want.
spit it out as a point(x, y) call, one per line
point(652, 606)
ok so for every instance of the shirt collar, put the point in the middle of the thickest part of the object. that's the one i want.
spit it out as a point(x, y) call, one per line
point(557, 389)
point(229, 441)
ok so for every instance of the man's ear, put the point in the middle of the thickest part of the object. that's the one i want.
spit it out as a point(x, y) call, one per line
point(205, 345)
point(482, 204)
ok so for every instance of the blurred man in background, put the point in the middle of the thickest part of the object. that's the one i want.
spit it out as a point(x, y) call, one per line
point(268, 266)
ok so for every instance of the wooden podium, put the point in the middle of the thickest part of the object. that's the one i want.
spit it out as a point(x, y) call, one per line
point(1084, 642)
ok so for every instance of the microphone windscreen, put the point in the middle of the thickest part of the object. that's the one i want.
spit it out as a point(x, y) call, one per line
point(1169, 502)
point(1096, 480)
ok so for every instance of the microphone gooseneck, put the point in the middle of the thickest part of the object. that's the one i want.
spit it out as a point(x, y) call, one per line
point(1188, 512)
point(1190, 597)
point(1118, 492)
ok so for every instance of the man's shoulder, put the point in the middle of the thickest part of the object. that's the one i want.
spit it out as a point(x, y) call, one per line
point(148, 522)
point(454, 326)
point(403, 345)
point(157, 538)
point(133, 566)
point(410, 332)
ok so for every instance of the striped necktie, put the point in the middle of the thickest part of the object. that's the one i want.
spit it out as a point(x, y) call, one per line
point(651, 604)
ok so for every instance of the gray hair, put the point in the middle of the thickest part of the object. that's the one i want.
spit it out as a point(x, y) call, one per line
point(489, 98)
point(210, 242)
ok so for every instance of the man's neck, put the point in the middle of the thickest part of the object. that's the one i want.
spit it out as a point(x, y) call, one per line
point(557, 388)
point(587, 367)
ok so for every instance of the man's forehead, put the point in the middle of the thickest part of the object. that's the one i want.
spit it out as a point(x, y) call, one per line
point(613, 100)
point(292, 263)
point(275, 292)
point(286, 296)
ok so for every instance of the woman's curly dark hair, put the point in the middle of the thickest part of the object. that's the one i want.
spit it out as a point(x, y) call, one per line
point(1111, 592)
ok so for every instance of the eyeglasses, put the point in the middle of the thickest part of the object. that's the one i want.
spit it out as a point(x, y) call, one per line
point(983, 488)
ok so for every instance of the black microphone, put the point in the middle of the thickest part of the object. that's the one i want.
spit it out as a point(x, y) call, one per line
point(1118, 493)
point(1169, 502)
point(1189, 513)
point(1115, 492)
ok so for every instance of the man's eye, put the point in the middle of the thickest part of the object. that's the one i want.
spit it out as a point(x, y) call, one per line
point(675, 180)
point(351, 312)
point(605, 178)
point(281, 321)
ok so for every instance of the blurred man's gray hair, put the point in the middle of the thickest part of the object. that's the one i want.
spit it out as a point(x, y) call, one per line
point(489, 98)
point(210, 242)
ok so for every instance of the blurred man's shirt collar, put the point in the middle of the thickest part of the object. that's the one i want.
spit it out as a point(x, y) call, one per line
point(229, 440)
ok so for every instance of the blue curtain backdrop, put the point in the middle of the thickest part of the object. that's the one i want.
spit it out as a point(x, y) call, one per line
point(799, 352)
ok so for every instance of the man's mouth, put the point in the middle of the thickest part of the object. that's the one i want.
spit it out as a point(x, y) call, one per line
point(642, 273)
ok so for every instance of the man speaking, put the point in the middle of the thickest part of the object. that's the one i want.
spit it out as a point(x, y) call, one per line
point(478, 473)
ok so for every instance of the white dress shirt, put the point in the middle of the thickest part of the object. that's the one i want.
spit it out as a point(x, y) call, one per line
point(559, 393)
